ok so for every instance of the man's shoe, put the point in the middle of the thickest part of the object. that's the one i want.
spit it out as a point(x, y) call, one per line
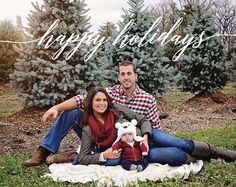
point(39, 158)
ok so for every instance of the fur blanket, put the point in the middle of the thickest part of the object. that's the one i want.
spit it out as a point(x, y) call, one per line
point(105, 176)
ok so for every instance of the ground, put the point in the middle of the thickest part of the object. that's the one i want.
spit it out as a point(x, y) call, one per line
point(21, 129)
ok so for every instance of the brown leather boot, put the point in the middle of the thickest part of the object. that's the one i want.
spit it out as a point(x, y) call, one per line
point(203, 149)
point(39, 158)
point(190, 159)
point(193, 160)
point(63, 157)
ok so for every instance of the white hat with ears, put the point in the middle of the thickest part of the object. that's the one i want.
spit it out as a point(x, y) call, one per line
point(127, 127)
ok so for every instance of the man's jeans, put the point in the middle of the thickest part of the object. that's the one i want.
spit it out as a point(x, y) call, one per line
point(167, 149)
point(164, 148)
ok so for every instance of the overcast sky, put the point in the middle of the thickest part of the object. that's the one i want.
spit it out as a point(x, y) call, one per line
point(101, 11)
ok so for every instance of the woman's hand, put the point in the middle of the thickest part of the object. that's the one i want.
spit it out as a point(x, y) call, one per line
point(110, 154)
point(51, 112)
point(55, 110)
point(145, 141)
point(115, 152)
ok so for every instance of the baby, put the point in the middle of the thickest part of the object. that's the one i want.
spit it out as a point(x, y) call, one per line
point(132, 148)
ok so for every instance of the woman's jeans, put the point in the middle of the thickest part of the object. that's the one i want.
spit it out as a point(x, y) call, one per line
point(164, 148)
point(65, 122)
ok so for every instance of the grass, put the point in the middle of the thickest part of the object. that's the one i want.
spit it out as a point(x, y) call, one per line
point(10, 103)
point(6, 113)
point(221, 174)
point(175, 98)
point(229, 90)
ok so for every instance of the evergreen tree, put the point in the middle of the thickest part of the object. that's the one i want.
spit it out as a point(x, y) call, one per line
point(203, 69)
point(152, 67)
point(100, 70)
point(232, 62)
point(39, 78)
point(107, 29)
point(8, 32)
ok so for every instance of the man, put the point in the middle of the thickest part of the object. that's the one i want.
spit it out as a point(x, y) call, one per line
point(129, 94)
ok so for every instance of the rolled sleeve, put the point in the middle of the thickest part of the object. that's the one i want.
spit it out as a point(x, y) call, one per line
point(79, 100)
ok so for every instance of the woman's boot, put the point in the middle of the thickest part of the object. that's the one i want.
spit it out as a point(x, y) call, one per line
point(203, 150)
point(193, 160)
point(39, 158)
point(63, 157)
point(190, 159)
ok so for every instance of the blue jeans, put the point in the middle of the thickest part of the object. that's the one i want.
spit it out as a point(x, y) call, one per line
point(126, 164)
point(113, 162)
point(167, 149)
point(164, 148)
point(65, 122)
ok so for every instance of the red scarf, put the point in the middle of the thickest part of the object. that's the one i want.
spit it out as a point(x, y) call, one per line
point(103, 133)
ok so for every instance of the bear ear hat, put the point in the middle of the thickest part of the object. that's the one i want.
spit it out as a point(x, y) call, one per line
point(130, 128)
point(117, 125)
point(134, 122)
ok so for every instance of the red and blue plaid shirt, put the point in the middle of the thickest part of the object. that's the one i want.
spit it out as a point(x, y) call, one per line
point(141, 102)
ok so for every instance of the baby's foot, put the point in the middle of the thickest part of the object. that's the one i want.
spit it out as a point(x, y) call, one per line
point(139, 168)
point(133, 167)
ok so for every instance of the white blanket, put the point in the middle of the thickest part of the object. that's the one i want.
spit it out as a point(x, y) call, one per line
point(104, 176)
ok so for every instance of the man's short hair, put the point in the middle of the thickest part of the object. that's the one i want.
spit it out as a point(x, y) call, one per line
point(127, 63)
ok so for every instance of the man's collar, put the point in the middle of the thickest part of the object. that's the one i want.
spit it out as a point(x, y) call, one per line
point(136, 90)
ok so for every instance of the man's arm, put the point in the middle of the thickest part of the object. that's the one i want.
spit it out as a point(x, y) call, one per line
point(143, 123)
point(55, 110)
point(152, 114)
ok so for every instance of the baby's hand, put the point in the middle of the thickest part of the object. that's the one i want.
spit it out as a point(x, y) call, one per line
point(144, 153)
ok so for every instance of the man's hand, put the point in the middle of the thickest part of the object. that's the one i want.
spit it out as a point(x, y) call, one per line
point(110, 154)
point(51, 112)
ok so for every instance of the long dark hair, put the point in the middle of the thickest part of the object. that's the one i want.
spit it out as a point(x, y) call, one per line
point(88, 105)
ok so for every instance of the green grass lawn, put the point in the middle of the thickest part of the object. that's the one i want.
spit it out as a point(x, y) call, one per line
point(10, 103)
point(221, 174)
point(176, 97)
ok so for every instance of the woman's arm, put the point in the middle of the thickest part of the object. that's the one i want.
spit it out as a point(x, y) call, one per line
point(143, 123)
point(55, 110)
point(87, 144)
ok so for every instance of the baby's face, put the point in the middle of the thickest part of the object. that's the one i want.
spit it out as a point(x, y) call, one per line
point(127, 137)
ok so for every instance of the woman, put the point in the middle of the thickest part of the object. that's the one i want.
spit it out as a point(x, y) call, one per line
point(98, 134)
